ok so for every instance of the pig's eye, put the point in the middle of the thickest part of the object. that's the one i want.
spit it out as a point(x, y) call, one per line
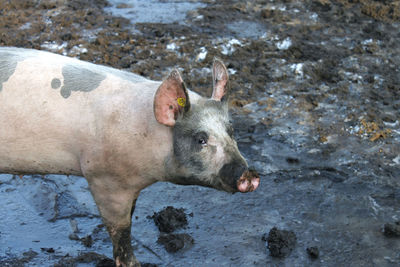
point(202, 141)
point(201, 138)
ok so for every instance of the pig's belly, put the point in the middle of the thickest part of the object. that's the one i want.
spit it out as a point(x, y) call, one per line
point(34, 147)
point(20, 159)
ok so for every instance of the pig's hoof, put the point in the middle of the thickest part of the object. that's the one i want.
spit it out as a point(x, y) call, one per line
point(248, 182)
point(131, 263)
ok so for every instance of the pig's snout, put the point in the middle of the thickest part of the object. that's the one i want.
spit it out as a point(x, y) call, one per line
point(248, 182)
point(248, 178)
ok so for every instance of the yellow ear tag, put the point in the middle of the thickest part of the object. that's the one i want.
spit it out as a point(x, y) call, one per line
point(181, 101)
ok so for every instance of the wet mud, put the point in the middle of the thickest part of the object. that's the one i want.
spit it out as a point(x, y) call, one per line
point(315, 102)
point(175, 242)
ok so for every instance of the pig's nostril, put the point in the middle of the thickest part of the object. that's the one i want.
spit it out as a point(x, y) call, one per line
point(255, 182)
point(243, 185)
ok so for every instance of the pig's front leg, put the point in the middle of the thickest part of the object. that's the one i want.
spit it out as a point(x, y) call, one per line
point(116, 201)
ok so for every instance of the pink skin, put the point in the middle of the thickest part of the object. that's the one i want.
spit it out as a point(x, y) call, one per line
point(248, 182)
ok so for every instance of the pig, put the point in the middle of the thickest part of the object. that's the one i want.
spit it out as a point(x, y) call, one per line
point(119, 130)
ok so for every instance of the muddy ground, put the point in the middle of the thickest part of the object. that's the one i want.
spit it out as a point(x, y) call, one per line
point(315, 100)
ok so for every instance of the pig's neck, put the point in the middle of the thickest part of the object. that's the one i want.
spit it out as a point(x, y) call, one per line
point(173, 169)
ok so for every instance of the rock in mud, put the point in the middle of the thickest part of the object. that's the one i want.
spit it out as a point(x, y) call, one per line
point(73, 236)
point(280, 242)
point(170, 219)
point(175, 242)
point(48, 250)
point(392, 229)
point(87, 241)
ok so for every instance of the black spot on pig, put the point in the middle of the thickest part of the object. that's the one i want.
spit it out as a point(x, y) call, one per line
point(8, 64)
point(55, 83)
point(79, 79)
point(186, 145)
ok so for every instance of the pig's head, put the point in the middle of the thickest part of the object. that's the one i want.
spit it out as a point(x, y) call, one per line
point(204, 150)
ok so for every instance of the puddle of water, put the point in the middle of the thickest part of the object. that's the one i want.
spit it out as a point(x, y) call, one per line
point(153, 11)
point(247, 29)
point(24, 225)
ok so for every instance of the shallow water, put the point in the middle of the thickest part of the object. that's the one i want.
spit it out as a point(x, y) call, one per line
point(153, 11)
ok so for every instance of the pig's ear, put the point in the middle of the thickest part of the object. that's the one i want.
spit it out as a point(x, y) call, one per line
point(220, 80)
point(171, 99)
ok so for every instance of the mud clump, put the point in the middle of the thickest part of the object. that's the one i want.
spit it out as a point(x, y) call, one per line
point(313, 252)
point(280, 242)
point(175, 242)
point(392, 229)
point(170, 219)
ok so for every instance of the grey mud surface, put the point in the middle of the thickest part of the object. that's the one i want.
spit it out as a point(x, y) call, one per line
point(315, 101)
